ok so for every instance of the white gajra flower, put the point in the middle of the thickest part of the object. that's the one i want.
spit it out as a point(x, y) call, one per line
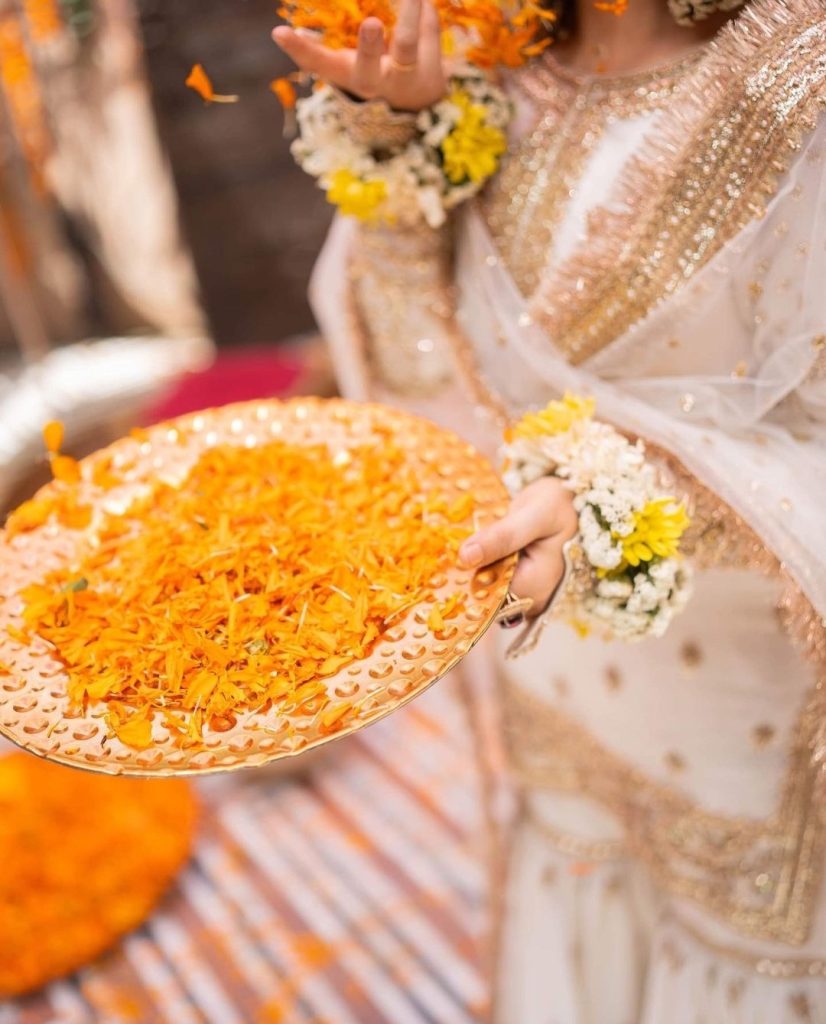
point(416, 186)
point(613, 483)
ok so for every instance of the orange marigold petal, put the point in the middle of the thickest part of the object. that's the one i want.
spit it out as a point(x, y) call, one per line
point(284, 90)
point(29, 516)
point(198, 80)
point(331, 718)
point(226, 609)
point(53, 434)
point(65, 469)
point(134, 732)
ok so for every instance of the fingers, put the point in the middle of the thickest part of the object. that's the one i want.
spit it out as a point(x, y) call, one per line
point(430, 41)
point(405, 46)
point(541, 510)
point(514, 532)
point(367, 68)
point(539, 571)
point(311, 55)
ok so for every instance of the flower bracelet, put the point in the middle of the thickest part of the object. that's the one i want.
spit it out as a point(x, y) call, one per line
point(427, 163)
point(630, 580)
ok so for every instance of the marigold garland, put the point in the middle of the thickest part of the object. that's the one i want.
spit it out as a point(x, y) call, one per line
point(265, 572)
point(85, 858)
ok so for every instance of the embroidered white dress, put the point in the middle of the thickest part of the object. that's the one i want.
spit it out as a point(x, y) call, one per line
point(656, 241)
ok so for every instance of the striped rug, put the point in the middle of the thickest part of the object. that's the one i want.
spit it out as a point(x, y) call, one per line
point(355, 894)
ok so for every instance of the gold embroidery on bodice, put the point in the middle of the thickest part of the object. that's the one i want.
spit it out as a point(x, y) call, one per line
point(528, 199)
point(727, 132)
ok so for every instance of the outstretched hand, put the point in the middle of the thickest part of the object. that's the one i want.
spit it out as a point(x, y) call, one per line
point(537, 525)
point(408, 71)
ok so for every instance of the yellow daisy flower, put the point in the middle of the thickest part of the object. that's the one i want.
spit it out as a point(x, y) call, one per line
point(555, 418)
point(472, 149)
point(658, 527)
point(355, 197)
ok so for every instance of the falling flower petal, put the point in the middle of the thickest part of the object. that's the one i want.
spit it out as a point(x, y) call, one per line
point(199, 81)
point(53, 434)
point(284, 89)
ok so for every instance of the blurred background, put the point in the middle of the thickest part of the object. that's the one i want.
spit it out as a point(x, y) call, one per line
point(132, 209)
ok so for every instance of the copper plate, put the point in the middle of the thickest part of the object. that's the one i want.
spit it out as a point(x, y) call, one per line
point(34, 709)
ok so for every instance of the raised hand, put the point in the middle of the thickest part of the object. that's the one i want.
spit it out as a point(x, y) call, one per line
point(409, 73)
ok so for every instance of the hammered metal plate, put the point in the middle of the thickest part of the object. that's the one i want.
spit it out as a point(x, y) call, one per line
point(35, 712)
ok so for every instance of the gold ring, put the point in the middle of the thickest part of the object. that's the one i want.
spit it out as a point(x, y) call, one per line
point(513, 610)
point(398, 66)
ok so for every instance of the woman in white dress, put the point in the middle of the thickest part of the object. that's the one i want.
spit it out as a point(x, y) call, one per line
point(656, 238)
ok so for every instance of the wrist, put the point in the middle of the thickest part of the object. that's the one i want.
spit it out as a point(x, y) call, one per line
point(631, 577)
point(386, 166)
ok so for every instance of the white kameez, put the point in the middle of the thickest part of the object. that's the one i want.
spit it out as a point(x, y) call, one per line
point(725, 373)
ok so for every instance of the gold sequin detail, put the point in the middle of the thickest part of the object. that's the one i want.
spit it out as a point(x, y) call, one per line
point(386, 266)
point(689, 851)
point(763, 966)
point(817, 371)
point(801, 1007)
point(690, 654)
point(528, 199)
point(586, 852)
point(763, 734)
point(744, 112)
point(734, 991)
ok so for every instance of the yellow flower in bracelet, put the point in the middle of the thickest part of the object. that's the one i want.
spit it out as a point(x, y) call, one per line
point(355, 197)
point(555, 418)
point(658, 527)
point(472, 150)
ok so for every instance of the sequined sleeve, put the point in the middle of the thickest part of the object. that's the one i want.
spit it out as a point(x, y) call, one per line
point(401, 304)
point(397, 288)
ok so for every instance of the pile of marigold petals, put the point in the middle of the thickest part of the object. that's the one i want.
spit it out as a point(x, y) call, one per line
point(85, 859)
point(497, 33)
point(264, 573)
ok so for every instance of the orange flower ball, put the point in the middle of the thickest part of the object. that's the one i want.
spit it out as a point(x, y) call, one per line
point(85, 859)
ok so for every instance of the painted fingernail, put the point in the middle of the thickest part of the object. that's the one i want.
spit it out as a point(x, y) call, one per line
point(470, 554)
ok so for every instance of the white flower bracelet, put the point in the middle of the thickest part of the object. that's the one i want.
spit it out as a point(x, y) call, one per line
point(444, 157)
point(633, 579)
